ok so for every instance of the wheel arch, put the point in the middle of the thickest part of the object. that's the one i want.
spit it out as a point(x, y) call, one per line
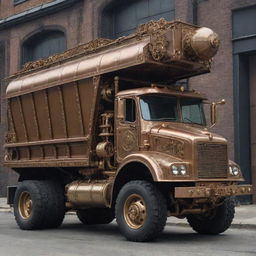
point(136, 167)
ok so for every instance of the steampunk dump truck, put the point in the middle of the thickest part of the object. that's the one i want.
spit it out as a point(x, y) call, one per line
point(104, 130)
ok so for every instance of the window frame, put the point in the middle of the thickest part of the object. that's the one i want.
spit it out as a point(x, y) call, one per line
point(177, 108)
point(17, 2)
point(135, 111)
point(35, 37)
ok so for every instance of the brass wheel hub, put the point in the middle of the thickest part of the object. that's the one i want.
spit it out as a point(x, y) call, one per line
point(25, 205)
point(135, 211)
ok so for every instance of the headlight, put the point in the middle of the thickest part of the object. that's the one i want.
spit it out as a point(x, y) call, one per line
point(234, 170)
point(183, 170)
point(175, 170)
point(179, 169)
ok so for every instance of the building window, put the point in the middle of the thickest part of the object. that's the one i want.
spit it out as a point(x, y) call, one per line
point(122, 19)
point(15, 2)
point(43, 45)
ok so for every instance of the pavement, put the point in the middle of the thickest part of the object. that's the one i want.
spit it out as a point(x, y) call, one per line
point(245, 216)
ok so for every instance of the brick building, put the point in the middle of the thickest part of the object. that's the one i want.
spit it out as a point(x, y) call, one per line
point(33, 29)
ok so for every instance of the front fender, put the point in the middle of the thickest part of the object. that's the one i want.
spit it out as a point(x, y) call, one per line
point(157, 163)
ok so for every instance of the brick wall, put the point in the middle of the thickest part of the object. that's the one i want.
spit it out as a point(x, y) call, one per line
point(8, 8)
point(218, 16)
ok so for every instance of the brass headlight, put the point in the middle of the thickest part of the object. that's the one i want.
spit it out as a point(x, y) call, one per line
point(179, 169)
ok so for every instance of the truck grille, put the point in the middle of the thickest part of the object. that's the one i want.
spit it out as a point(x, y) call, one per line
point(212, 160)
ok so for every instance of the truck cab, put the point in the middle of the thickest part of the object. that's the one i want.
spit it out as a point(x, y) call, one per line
point(170, 122)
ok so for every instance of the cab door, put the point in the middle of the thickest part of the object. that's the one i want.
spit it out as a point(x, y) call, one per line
point(127, 128)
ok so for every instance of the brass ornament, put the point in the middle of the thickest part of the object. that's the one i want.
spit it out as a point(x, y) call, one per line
point(8, 156)
point(79, 50)
point(10, 137)
point(158, 47)
point(201, 44)
point(129, 141)
point(170, 146)
point(153, 27)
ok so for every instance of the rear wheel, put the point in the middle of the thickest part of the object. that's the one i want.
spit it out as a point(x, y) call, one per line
point(39, 204)
point(140, 211)
point(93, 216)
point(218, 221)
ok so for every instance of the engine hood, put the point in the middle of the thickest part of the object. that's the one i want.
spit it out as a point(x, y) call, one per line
point(186, 132)
point(179, 140)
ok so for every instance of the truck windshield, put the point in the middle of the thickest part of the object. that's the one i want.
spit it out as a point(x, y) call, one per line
point(159, 108)
point(164, 108)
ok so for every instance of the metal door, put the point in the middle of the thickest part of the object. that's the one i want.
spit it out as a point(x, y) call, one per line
point(127, 131)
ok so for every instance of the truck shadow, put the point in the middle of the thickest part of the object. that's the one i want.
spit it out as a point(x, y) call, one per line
point(175, 234)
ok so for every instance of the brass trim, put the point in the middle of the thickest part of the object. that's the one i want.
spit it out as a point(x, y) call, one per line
point(47, 142)
point(218, 191)
point(22, 118)
point(74, 162)
point(63, 112)
point(78, 102)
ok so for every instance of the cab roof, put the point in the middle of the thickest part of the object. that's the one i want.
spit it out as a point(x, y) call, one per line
point(155, 89)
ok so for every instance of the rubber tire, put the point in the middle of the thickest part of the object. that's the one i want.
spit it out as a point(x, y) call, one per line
point(48, 209)
point(94, 216)
point(216, 224)
point(156, 210)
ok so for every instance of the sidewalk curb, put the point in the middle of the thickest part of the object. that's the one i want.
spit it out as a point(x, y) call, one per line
point(234, 225)
point(5, 209)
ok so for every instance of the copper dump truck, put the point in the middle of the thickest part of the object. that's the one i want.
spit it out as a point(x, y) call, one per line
point(104, 130)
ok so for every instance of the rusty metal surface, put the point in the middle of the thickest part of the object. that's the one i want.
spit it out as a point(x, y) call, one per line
point(218, 191)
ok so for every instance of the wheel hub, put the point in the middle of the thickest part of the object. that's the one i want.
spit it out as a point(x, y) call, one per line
point(135, 211)
point(25, 205)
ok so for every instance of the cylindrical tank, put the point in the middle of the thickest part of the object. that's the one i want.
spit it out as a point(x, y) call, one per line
point(88, 194)
point(204, 43)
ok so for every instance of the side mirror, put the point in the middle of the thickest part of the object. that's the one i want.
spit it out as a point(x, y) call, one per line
point(214, 111)
point(120, 109)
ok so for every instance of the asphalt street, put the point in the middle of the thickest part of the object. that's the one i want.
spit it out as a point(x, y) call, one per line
point(73, 239)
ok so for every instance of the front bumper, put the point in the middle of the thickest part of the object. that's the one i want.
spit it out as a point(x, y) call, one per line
point(208, 192)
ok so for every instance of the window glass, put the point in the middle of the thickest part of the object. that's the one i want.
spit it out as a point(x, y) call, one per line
point(159, 108)
point(192, 111)
point(43, 45)
point(121, 18)
point(130, 110)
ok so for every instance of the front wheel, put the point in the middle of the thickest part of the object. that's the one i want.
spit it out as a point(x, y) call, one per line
point(218, 221)
point(141, 211)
